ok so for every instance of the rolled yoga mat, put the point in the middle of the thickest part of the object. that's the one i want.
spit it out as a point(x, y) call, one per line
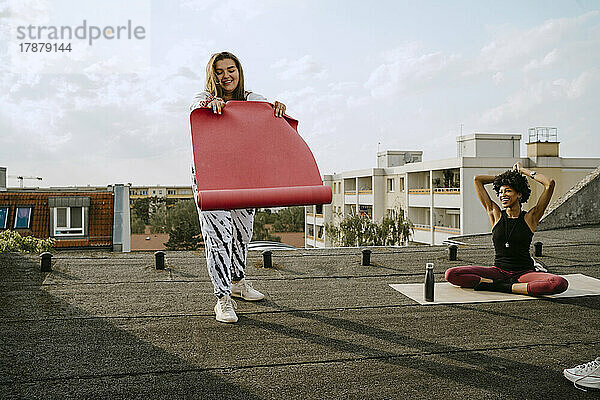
point(248, 158)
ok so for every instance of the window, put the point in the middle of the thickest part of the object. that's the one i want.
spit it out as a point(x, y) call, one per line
point(390, 184)
point(319, 208)
point(402, 184)
point(3, 217)
point(171, 191)
point(143, 192)
point(366, 210)
point(69, 215)
point(391, 213)
point(68, 221)
point(23, 218)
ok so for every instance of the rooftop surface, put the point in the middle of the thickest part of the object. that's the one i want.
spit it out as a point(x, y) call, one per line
point(110, 325)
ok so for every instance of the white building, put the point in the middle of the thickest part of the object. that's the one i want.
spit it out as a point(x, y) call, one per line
point(438, 197)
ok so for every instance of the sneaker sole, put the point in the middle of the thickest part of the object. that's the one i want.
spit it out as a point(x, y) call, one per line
point(582, 383)
point(239, 296)
point(226, 322)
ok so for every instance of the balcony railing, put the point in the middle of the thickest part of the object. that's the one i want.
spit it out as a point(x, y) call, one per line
point(446, 229)
point(422, 227)
point(350, 192)
point(366, 191)
point(447, 190)
point(419, 191)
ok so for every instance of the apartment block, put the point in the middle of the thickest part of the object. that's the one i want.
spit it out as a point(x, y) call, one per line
point(438, 197)
point(169, 192)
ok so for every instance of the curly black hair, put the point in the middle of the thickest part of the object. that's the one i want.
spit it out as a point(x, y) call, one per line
point(516, 181)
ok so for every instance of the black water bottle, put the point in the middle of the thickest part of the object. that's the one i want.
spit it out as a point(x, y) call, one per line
point(429, 282)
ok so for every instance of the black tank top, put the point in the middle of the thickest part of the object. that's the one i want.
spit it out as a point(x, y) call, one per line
point(512, 240)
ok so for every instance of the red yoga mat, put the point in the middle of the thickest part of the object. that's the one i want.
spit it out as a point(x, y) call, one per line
point(248, 158)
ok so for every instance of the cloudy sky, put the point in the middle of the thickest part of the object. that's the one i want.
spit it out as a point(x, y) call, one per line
point(405, 74)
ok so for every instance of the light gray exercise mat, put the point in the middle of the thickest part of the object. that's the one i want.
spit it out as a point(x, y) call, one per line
point(446, 293)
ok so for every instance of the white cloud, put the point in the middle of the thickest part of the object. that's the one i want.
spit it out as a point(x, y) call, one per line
point(579, 86)
point(227, 13)
point(516, 104)
point(80, 55)
point(304, 68)
point(115, 116)
point(498, 78)
point(407, 67)
point(546, 61)
point(514, 47)
point(542, 92)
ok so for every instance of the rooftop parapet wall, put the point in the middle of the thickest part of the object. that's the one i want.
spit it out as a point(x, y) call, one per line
point(579, 206)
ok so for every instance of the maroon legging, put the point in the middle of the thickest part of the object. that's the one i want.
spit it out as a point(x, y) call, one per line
point(538, 283)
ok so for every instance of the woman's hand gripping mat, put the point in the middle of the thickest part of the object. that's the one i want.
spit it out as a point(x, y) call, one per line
point(248, 158)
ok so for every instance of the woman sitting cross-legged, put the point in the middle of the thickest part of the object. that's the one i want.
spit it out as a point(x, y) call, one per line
point(512, 231)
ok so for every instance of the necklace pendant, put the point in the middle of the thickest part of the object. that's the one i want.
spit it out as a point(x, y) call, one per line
point(506, 244)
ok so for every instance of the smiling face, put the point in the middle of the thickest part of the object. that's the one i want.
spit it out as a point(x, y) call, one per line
point(508, 196)
point(228, 75)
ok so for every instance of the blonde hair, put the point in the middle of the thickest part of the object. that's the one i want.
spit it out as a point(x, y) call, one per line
point(211, 76)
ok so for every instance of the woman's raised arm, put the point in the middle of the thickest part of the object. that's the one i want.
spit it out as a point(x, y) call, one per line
point(490, 206)
point(535, 214)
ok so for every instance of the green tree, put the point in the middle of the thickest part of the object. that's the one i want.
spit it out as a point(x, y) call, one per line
point(394, 231)
point(141, 207)
point(267, 215)
point(359, 230)
point(262, 230)
point(137, 224)
point(159, 220)
point(184, 227)
point(146, 207)
point(289, 219)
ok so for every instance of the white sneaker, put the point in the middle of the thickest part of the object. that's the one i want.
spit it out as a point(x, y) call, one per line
point(245, 290)
point(225, 310)
point(586, 375)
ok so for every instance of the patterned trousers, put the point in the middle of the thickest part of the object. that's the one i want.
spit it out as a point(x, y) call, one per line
point(226, 236)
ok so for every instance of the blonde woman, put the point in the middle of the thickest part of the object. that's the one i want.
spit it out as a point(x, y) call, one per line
point(227, 233)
